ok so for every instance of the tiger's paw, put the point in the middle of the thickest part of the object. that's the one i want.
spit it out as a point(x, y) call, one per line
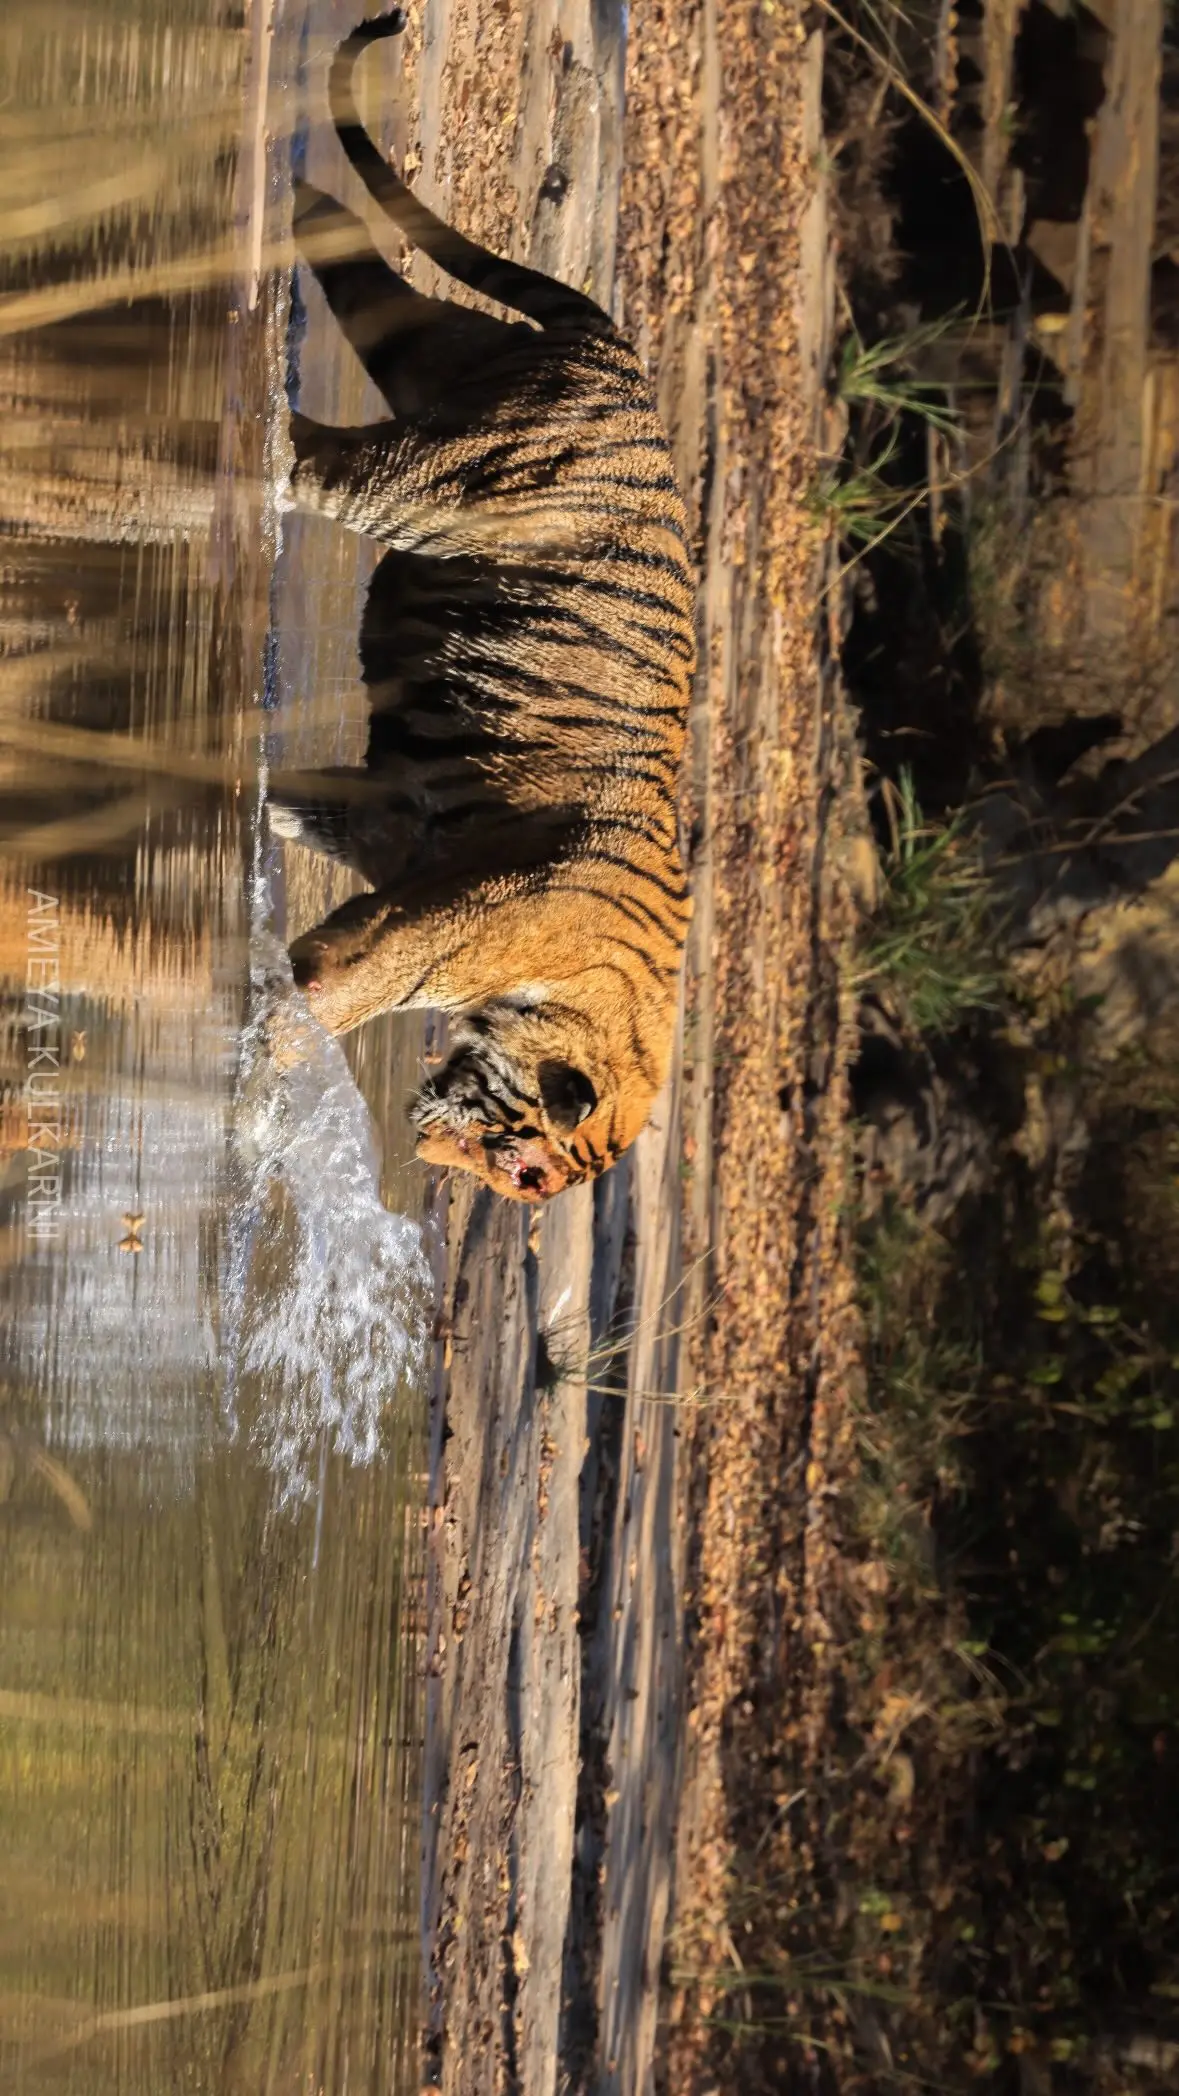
point(285, 822)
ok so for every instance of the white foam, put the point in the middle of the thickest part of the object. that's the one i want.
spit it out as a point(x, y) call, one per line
point(326, 1294)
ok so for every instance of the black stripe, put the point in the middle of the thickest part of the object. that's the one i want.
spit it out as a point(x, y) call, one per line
point(580, 632)
point(641, 873)
point(672, 633)
point(632, 825)
point(645, 483)
point(632, 554)
point(611, 446)
point(494, 1098)
point(638, 1051)
point(631, 715)
point(626, 593)
point(643, 915)
point(591, 500)
point(615, 902)
point(640, 1054)
point(644, 918)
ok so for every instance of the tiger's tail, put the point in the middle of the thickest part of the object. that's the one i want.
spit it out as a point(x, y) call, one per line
point(526, 291)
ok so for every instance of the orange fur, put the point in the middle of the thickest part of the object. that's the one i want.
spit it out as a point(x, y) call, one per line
point(528, 646)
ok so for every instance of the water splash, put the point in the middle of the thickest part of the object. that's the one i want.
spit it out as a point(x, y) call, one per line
point(326, 1293)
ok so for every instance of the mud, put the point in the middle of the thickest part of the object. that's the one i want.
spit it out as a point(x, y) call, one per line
point(635, 1552)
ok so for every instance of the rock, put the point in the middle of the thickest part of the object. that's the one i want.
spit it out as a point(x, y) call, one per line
point(918, 1139)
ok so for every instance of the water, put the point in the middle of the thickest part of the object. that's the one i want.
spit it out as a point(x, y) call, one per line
point(211, 1416)
point(325, 1289)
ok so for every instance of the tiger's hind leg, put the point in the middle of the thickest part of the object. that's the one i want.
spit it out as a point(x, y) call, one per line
point(319, 828)
point(413, 347)
point(313, 815)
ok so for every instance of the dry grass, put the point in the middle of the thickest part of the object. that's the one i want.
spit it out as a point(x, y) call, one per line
point(881, 50)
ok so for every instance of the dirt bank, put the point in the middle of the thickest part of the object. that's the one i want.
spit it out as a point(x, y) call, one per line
point(569, 1470)
point(775, 783)
point(637, 1367)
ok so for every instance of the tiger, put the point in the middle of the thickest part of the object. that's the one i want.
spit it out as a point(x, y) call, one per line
point(527, 646)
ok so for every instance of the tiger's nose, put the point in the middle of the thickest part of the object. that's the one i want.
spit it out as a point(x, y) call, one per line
point(307, 967)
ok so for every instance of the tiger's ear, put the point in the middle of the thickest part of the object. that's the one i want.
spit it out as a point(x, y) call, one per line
point(567, 1095)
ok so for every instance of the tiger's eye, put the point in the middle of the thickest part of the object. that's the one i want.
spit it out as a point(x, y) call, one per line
point(569, 1097)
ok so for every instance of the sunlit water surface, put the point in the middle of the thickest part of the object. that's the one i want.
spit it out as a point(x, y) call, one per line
point(211, 1414)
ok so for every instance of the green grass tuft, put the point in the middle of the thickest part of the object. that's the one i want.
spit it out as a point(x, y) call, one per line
point(877, 376)
point(932, 945)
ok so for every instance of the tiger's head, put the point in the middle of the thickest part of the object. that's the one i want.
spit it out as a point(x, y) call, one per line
point(531, 1100)
point(546, 1083)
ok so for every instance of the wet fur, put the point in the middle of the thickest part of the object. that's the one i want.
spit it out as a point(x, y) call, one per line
point(527, 646)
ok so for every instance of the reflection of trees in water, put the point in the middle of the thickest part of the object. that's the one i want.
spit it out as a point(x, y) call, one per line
point(111, 424)
point(207, 1727)
point(208, 1832)
point(117, 640)
point(122, 129)
point(121, 124)
point(108, 617)
point(169, 965)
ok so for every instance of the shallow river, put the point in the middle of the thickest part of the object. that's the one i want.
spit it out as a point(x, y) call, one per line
point(216, 1297)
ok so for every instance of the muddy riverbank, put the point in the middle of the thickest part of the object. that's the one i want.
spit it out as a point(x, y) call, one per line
point(598, 1370)
point(645, 1425)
